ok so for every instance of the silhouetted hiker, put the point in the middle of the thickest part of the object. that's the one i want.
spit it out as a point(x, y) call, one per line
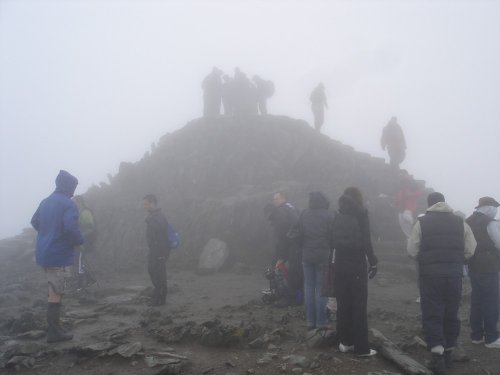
point(483, 271)
point(315, 224)
point(283, 217)
point(318, 105)
point(394, 139)
point(56, 221)
point(227, 95)
point(159, 249)
point(244, 95)
point(351, 239)
point(441, 242)
point(264, 89)
point(212, 93)
point(88, 229)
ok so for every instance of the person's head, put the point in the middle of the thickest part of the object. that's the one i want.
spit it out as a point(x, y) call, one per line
point(150, 202)
point(355, 194)
point(320, 86)
point(66, 183)
point(434, 198)
point(487, 201)
point(279, 198)
point(317, 200)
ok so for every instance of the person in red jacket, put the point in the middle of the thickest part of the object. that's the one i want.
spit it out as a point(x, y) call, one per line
point(405, 202)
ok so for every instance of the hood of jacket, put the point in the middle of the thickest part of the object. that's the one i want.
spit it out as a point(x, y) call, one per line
point(489, 211)
point(440, 207)
point(347, 205)
point(66, 183)
point(317, 200)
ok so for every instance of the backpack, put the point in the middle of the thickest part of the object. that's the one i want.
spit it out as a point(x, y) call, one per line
point(174, 239)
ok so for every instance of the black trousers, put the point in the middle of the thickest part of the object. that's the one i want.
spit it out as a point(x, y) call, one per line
point(484, 306)
point(440, 300)
point(157, 269)
point(351, 288)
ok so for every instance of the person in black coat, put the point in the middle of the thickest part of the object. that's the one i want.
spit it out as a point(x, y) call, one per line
point(352, 243)
point(159, 250)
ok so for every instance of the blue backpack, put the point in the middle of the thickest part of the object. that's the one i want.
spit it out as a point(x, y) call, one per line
point(174, 240)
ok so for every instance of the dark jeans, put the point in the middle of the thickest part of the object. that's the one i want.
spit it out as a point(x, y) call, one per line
point(484, 306)
point(351, 290)
point(157, 269)
point(440, 299)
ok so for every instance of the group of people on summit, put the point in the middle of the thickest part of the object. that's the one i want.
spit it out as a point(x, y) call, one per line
point(240, 96)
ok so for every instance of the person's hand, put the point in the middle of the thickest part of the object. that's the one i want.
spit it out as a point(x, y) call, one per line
point(372, 271)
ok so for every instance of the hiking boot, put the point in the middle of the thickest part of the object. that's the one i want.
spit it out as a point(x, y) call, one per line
point(346, 348)
point(493, 345)
point(55, 333)
point(437, 364)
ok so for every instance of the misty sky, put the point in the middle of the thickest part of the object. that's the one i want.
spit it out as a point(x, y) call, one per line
point(87, 84)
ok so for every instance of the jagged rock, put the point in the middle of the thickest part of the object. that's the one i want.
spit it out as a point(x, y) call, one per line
point(297, 360)
point(213, 256)
point(20, 361)
point(26, 322)
point(321, 338)
point(127, 350)
point(31, 335)
point(152, 361)
point(383, 372)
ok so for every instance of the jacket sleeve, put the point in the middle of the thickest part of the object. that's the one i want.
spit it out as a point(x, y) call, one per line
point(365, 228)
point(413, 245)
point(71, 227)
point(469, 242)
point(35, 219)
point(493, 229)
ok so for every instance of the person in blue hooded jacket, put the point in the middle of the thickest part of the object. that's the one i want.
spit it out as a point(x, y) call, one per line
point(56, 221)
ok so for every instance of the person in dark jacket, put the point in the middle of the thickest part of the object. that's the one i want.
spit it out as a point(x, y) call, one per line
point(212, 93)
point(56, 221)
point(352, 243)
point(318, 105)
point(159, 250)
point(394, 140)
point(483, 272)
point(283, 217)
point(316, 224)
point(441, 242)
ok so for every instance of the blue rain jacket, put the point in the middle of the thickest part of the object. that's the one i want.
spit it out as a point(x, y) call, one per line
point(56, 221)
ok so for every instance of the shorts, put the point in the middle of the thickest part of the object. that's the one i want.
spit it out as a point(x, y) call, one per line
point(58, 278)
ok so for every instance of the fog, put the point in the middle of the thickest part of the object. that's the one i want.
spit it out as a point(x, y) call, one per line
point(87, 84)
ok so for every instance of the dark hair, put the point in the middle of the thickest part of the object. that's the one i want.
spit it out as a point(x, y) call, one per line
point(151, 198)
point(79, 200)
point(355, 194)
point(434, 198)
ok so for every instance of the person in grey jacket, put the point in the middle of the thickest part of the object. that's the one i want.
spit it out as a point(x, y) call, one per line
point(316, 224)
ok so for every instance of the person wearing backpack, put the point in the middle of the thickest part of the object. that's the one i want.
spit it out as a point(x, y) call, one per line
point(264, 90)
point(352, 242)
point(159, 249)
point(88, 229)
point(315, 225)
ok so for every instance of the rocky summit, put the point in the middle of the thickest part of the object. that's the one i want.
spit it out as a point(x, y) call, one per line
point(213, 178)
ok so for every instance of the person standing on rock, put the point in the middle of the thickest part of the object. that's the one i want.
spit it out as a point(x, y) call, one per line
point(441, 241)
point(88, 229)
point(318, 105)
point(315, 225)
point(483, 271)
point(56, 221)
point(212, 93)
point(352, 242)
point(284, 217)
point(394, 140)
point(159, 249)
point(264, 90)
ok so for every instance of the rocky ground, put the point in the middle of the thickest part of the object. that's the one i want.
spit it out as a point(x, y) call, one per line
point(212, 324)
